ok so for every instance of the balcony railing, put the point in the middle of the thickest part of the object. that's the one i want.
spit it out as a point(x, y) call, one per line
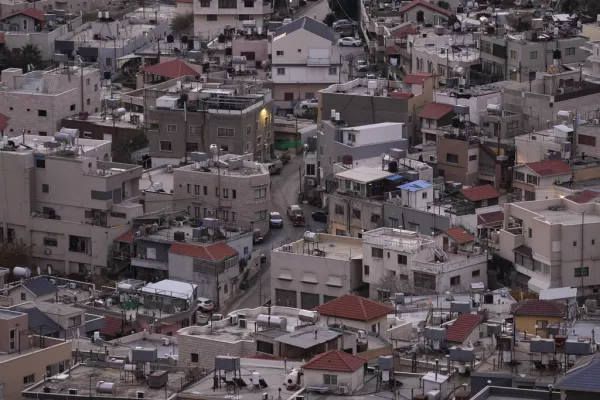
point(152, 264)
point(312, 62)
point(443, 267)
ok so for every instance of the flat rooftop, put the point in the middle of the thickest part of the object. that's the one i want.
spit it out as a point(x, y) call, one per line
point(36, 144)
point(356, 87)
point(124, 121)
point(364, 174)
point(568, 217)
point(157, 180)
point(407, 240)
point(80, 376)
point(6, 314)
point(327, 246)
point(122, 347)
point(126, 33)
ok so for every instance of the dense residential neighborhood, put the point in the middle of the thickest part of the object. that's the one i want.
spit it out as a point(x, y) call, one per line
point(274, 200)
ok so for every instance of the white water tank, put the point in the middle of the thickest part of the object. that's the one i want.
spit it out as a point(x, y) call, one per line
point(22, 271)
point(255, 378)
point(494, 108)
point(291, 378)
point(105, 387)
point(308, 316)
point(271, 321)
point(214, 149)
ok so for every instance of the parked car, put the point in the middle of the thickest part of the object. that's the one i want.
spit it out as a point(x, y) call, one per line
point(310, 103)
point(205, 304)
point(286, 21)
point(320, 216)
point(349, 41)
point(371, 76)
point(342, 23)
point(362, 66)
point(275, 167)
point(275, 220)
point(347, 31)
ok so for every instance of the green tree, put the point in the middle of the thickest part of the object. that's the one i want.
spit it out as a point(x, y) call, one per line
point(30, 56)
point(182, 24)
point(15, 254)
point(443, 4)
point(6, 59)
point(123, 147)
point(329, 19)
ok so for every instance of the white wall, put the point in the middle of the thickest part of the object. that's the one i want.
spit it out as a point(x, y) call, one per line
point(473, 166)
point(378, 134)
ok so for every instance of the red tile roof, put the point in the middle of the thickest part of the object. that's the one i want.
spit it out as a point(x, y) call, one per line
point(491, 219)
point(458, 234)
point(3, 118)
point(171, 69)
point(417, 78)
point(335, 360)
point(462, 327)
point(584, 196)
point(354, 307)
point(214, 252)
point(127, 237)
point(550, 167)
point(542, 308)
point(114, 326)
point(478, 193)
point(392, 50)
point(401, 95)
point(403, 32)
point(435, 110)
point(30, 12)
point(427, 4)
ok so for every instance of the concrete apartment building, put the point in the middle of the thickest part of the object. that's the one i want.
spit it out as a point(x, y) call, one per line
point(519, 57)
point(214, 113)
point(422, 11)
point(26, 357)
point(105, 40)
point(457, 159)
point(66, 201)
point(546, 144)
point(529, 178)
point(8, 7)
point(37, 101)
point(211, 16)
point(446, 262)
point(314, 270)
point(302, 61)
point(552, 243)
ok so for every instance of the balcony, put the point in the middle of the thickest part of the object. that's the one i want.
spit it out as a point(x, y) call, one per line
point(318, 62)
point(151, 264)
point(434, 267)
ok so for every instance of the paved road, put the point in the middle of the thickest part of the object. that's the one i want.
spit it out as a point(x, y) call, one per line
point(284, 191)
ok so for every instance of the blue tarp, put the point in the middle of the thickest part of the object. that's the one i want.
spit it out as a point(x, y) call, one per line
point(394, 178)
point(415, 186)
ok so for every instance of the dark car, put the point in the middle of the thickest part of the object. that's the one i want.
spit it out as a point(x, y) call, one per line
point(275, 220)
point(320, 216)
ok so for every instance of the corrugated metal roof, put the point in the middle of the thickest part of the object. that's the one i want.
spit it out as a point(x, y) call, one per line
point(316, 27)
point(415, 186)
point(39, 286)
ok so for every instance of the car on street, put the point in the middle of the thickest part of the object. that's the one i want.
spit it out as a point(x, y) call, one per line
point(320, 216)
point(310, 103)
point(371, 76)
point(296, 214)
point(275, 220)
point(362, 66)
point(274, 167)
point(342, 23)
point(205, 304)
point(349, 41)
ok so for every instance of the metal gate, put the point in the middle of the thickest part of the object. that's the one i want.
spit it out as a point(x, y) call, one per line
point(285, 298)
point(308, 301)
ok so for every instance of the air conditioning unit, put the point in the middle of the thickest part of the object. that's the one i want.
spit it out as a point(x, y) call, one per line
point(72, 285)
point(242, 323)
point(166, 341)
point(140, 394)
point(311, 182)
point(72, 391)
point(432, 157)
point(47, 252)
point(233, 320)
point(169, 168)
point(596, 121)
point(137, 234)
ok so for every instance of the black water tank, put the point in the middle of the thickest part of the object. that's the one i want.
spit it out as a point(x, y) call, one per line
point(556, 54)
point(190, 45)
point(455, 122)
point(170, 38)
point(106, 75)
point(179, 236)
point(393, 166)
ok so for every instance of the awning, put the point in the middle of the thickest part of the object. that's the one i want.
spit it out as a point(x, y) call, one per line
point(394, 178)
point(524, 250)
point(334, 280)
point(285, 275)
point(537, 285)
point(129, 57)
point(310, 278)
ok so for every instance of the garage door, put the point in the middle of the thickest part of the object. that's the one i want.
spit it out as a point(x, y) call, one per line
point(285, 298)
point(308, 301)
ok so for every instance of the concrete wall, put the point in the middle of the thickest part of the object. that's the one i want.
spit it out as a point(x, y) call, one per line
point(347, 223)
point(394, 216)
point(527, 323)
point(314, 377)
point(457, 172)
point(260, 48)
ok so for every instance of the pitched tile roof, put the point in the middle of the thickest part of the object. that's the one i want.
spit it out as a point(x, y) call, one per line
point(458, 234)
point(3, 118)
point(40, 322)
point(585, 196)
point(392, 50)
point(546, 308)
point(401, 95)
point(335, 360)
point(114, 326)
point(215, 252)
point(462, 327)
point(424, 3)
point(478, 193)
point(403, 32)
point(583, 377)
point(435, 110)
point(39, 286)
point(524, 250)
point(354, 307)
point(493, 218)
point(550, 167)
point(127, 237)
point(30, 12)
point(171, 69)
point(307, 23)
point(417, 78)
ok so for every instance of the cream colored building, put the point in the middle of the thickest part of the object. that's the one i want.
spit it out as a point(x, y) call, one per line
point(211, 16)
point(66, 201)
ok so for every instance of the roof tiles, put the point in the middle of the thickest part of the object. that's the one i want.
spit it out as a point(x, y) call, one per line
point(214, 252)
point(478, 193)
point(30, 12)
point(462, 327)
point(493, 218)
point(424, 3)
point(545, 308)
point(355, 308)
point(550, 167)
point(435, 110)
point(585, 196)
point(335, 360)
point(127, 237)
point(417, 78)
point(459, 235)
point(171, 69)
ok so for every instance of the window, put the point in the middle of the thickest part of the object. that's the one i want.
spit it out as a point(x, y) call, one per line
point(281, 71)
point(424, 195)
point(339, 209)
point(108, 62)
point(366, 268)
point(171, 128)
point(191, 147)
point(189, 188)
point(153, 125)
point(204, 3)
point(88, 102)
point(42, 113)
point(355, 213)
point(376, 252)
point(217, 191)
point(25, 21)
point(225, 132)
point(95, 87)
point(403, 277)
point(45, 188)
point(165, 145)
point(279, 53)
point(211, 17)
point(586, 140)
point(513, 54)
point(310, 169)
point(569, 51)
point(87, 135)
point(78, 244)
point(23, 296)
point(29, 379)
point(197, 189)
point(475, 274)
point(245, 17)
point(194, 357)
point(260, 193)
point(452, 158)
point(529, 232)
point(583, 271)
point(75, 321)
point(40, 161)
point(260, 215)
point(258, 140)
point(541, 324)
point(375, 218)
point(227, 4)
point(225, 193)
point(519, 176)
point(402, 259)
point(205, 190)
point(195, 130)
point(533, 55)
point(233, 193)
point(532, 179)
point(225, 288)
point(593, 242)
point(333, 71)
point(473, 157)
point(12, 337)
point(51, 242)
point(329, 379)
point(455, 280)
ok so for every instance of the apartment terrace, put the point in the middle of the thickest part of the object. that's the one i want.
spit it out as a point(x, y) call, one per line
point(327, 246)
point(50, 81)
point(398, 239)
